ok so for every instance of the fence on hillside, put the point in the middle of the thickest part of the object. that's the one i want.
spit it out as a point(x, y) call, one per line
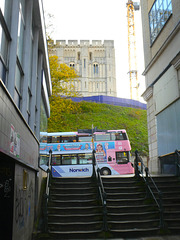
point(112, 101)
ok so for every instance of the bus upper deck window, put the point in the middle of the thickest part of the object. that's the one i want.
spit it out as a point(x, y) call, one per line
point(55, 139)
point(43, 139)
point(118, 136)
point(49, 139)
point(85, 138)
point(102, 137)
point(65, 139)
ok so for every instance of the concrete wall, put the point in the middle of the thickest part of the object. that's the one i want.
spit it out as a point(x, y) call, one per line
point(19, 143)
point(24, 203)
point(161, 74)
point(17, 139)
point(24, 84)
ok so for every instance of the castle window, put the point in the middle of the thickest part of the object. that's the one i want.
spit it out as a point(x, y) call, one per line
point(78, 55)
point(95, 68)
point(90, 56)
point(158, 16)
point(84, 63)
point(71, 65)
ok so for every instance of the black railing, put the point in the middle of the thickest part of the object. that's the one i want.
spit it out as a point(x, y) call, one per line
point(177, 163)
point(46, 194)
point(170, 163)
point(101, 191)
point(143, 171)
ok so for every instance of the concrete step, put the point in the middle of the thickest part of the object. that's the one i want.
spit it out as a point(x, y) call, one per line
point(75, 218)
point(72, 190)
point(73, 203)
point(134, 233)
point(74, 210)
point(133, 216)
point(131, 209)
point(82, 196)
point(125, 202)
point(133, 224)
point(75, 226)
point(91, 234)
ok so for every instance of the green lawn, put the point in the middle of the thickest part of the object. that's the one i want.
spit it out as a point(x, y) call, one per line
point(70, 116)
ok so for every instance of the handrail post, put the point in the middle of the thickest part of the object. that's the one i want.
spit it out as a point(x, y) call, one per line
point(45, 214)
point(105, 226)
point(147, 183)
point(47, 193)
point(149, 190)
point(161, 210)
point(102, 193)
point(136, 164)
point(50, 171)
point(94, 164)
point(177, 163)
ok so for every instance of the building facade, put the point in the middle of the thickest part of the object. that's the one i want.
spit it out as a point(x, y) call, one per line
point(94, 64)
point(25, 85)
point(161, 37)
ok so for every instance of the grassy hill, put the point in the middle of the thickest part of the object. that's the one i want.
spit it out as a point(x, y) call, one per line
point(72, 116)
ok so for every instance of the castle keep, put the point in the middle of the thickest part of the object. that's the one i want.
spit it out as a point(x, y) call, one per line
point(94, 63)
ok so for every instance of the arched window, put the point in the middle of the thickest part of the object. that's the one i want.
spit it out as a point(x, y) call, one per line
point(72, 65)
point(96, 70)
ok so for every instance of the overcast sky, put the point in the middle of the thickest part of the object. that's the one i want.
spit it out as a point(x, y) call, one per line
point(99, 20)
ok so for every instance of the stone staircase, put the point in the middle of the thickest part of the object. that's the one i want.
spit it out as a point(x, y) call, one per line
point(129, 213)
point(170, 188)
point(73, 209)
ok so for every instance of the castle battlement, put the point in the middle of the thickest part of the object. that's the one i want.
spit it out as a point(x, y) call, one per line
point(95, 43)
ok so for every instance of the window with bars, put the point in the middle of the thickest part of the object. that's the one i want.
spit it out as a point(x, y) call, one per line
point(158, 16)
point(5, 38)
point(20, 44)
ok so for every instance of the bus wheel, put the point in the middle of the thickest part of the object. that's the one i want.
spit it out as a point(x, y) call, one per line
point(105, 171)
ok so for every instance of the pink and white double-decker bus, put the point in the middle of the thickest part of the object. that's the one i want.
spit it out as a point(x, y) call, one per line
point(112, 149)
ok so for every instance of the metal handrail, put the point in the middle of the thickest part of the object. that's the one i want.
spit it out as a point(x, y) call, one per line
point(177, 162)
point(46, 195)
point(102, 193)
point(48, 173)
point(175, 156)
point(140, 170)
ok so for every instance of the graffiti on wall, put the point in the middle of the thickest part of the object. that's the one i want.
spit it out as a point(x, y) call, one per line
point(6, 197)
point(6, 182)
point(24, 201)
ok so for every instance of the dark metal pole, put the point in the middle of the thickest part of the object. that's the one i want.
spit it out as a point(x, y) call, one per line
point(177, 163)
point(161, 210)
point(147, 183)
point(136, 164)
